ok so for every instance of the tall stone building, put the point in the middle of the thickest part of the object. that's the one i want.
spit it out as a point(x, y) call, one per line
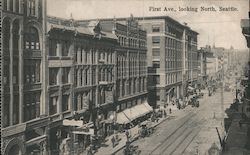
point(81, 74)
point(172, 58)
point(131, 67)
point(24, 125)
point(64, 81)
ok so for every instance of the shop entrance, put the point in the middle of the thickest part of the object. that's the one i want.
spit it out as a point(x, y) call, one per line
point(14, 150)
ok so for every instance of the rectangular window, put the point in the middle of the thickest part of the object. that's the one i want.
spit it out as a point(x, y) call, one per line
point(32, 45)
point(156, 53)
point(65, 48)
point(65, 75)
point(53, 76)
point(27, 45)
point(31, 106)
point(155, 28)
point(156, 64)
point(37, 46)
point(157, 79)
point(156, 40)
point(53, 105)
point(65, 102)
point(157, 97)
point(52, 48)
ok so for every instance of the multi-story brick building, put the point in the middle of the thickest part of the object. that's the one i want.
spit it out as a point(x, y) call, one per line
point(81, 66)
point(169, 43)
point(131, 67)
point(24, 126)
point(52, 75)
point(202, 76)
point(172, 58)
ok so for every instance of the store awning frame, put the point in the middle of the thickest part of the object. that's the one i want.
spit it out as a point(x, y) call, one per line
point(90, 132)
point(36, 140)
point(191, 88)
point(133, 113)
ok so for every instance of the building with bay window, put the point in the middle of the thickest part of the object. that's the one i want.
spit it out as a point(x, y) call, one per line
point(23, 62)
point(81, 75)
point(130, 67)
point(172, 58)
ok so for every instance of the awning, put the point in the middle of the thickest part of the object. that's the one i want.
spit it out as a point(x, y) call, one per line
point(67, 122)
point(148, 106)
point(132, 113)
point(36, 140)
point(121, 118)
point(89, 132)
point(87, 125)
point(191, 88)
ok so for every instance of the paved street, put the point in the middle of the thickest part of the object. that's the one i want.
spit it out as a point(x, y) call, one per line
point(192, 131)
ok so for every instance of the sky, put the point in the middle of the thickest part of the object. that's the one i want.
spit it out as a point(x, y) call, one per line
point(221, 28)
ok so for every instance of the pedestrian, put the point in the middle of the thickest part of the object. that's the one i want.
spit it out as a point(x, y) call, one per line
point(90, 150)
point(127, 134)
point(113, 141)
point(165, 114)
point(170, 110)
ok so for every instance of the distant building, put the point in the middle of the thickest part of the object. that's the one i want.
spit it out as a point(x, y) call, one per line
point(202, 65)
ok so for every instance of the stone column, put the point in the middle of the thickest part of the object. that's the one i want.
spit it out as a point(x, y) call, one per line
point(79, 102)
point(11, 73)
point(20, 6)
point(59, 106)
point(121, 90)
point(82, 78)
point(14, 5)
point(83, 56)
point(58, 49)
point(21, 73)
point(177, 91)
point(8, 5)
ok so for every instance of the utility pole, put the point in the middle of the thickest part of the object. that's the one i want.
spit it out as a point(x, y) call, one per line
point(222, 110)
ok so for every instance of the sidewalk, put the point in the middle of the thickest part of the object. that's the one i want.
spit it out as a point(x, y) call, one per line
point(236, 140)
point(106, 147)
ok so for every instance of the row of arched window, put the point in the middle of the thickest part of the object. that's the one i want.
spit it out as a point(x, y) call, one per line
point(11, 67)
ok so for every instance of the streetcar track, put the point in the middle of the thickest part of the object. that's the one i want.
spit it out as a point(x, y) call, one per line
point(188, 122)
point(192, 115)
point(191, 141)
point(193, 123)
point(197, 131)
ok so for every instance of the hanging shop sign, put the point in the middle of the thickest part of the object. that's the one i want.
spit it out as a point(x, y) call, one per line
point(67, 122)
point(90, 132)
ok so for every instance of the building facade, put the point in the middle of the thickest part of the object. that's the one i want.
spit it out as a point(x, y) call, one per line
point(81, 69)
point(24, 126)
point(169, 45)
point(246, 32)
point(61, 73)
point(131, 64)
point(202, 75)
point(172, 59)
